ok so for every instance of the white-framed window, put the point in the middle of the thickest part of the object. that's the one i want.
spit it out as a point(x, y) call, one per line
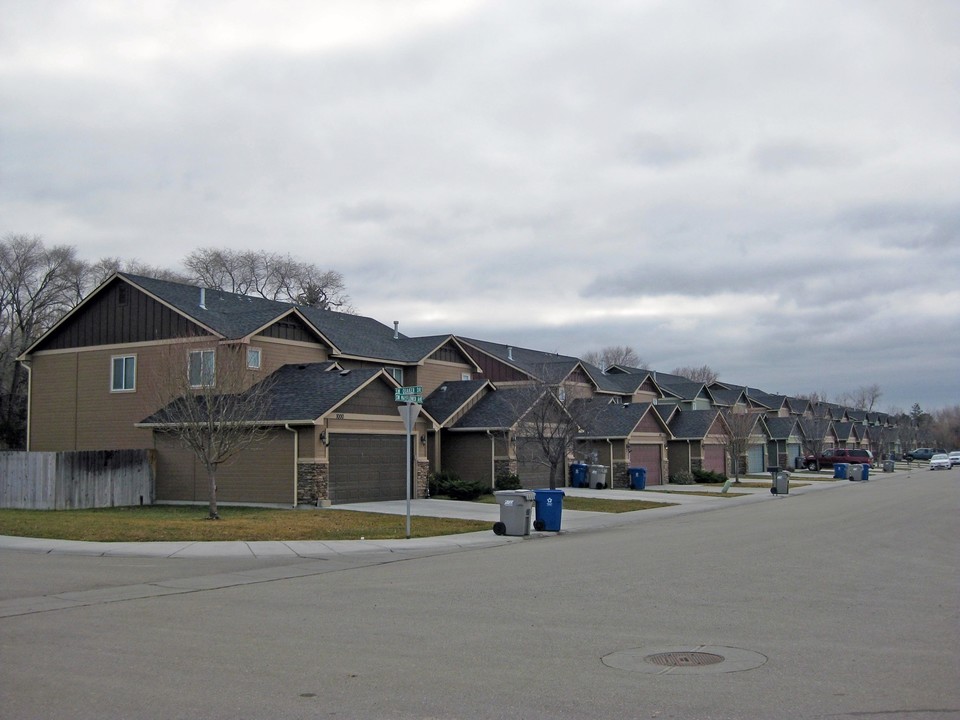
point(253, 358)
point(396, 373)
point(202, 368)
point(123, 373)
point(465, 376)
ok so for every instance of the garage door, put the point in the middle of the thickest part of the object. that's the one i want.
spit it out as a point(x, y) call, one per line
point(714, 458)
point(755, 462)
point(532, 474)
point(647, 456)
point(367, 468)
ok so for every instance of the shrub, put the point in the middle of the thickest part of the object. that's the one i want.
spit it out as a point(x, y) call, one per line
point(684, 477)
point(451, 485)
point(508, 482)
point(709, 476)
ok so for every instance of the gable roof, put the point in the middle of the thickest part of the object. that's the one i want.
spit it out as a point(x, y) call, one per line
point(444, 402)
point(617, 420)
point(782, 428)
point(536, 364)
point(693, 424)
point(499, 410)
point(303, 393)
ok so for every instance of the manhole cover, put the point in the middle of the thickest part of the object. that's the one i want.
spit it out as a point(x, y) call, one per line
point(689, 660)
point(683, 659)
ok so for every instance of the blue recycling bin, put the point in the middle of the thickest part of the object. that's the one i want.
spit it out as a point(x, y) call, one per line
point(866, 471)
point(638, 477)
point(549, 509)
point(578, 475)
point(840, 471)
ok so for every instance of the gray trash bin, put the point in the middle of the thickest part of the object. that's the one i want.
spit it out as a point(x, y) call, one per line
point(598, 476)
point(856, 472)
point(781, 483)
point(888, 466)
point(516, 507)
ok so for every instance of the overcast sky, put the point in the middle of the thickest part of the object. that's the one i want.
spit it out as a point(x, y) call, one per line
point(770, 188)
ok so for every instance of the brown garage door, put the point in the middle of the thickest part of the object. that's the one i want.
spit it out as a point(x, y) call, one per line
point(367, 468)
point(532, 474)
point(647, 456)
point(714, 458)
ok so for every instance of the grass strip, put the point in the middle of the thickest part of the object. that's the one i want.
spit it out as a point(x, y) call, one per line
point(159, 523)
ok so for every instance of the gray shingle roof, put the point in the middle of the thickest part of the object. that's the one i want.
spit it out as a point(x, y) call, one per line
point(450, 397)
point(545, 366)
point(498, 410)
point(613, 420)
point(782, 427)
point(693, 424)
point(304, 392)
point(235, 316)
point(686, 390)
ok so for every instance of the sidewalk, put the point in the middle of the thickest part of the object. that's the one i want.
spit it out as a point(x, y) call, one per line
point(681, 500)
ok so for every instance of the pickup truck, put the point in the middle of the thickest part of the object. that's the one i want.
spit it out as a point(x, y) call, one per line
point(828, 458)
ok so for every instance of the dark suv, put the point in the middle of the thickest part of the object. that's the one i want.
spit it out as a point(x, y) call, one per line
point(922, 453)
point(828, 458)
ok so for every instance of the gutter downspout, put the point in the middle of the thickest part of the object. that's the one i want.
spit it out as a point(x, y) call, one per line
point(493, 460)
point(610, 443)
point(26, 364)
point(296, 458)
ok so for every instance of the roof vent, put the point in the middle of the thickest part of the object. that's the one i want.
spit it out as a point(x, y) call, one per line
point(203, 298)
point(345, 372)
point(443, 388)
point(396, 329)
point(509, 353)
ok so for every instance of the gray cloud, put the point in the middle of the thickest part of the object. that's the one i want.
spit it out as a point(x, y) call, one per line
point(770, 189)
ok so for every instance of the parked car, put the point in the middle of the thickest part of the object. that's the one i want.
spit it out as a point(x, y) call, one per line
point(940, 461)
point(828, 458)
point(923, 453)
point(954, 458)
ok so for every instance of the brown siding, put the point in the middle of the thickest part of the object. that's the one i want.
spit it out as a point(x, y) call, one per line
point(290, 328)
point(106, 320)
point(496, 371)
point(375, 399)
point(264, 474)
point(469, 455)
point(648, 423)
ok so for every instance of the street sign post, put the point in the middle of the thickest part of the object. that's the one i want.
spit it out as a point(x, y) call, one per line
point(412, 395)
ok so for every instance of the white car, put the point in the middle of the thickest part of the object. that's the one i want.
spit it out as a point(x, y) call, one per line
point(940, 460)
point(954, 458)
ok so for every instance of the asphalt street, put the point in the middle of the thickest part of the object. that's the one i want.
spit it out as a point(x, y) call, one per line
point(841, 603)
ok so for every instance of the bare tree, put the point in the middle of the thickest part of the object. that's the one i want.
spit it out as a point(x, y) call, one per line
point(107, 266)
point(615, 355)
point(209, 405)
point(703, 374)
point(815, 426)
point(550, 422)
point(739, 435)
point(38, 285)
point(269, 275)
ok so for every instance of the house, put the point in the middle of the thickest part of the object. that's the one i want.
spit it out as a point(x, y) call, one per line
point(698, 439)
point(785, 447)
point(625, 435)
point(93, 387)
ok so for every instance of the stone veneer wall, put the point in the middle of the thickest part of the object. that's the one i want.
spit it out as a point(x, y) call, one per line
point(619, 476)
point(422, 484)
point(312, 483)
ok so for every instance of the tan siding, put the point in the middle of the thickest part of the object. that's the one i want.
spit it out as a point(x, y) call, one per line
point(53, 402)
point(259, 475)
point(375, 399)
point(275, 353)
point(432, 375)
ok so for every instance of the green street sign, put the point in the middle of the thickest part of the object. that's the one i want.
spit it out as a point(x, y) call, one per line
point(409, 394)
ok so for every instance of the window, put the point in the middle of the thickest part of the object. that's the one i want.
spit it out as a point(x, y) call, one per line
point(396, 373)
point(123, 373)
point(253, 358)
point(465, 376)
point(202, 368)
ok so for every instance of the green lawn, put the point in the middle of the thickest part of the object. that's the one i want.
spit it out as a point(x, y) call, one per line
point(597, 504)
point(190, 523)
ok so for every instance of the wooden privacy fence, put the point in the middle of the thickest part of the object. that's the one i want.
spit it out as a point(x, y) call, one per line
point(71, 480)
